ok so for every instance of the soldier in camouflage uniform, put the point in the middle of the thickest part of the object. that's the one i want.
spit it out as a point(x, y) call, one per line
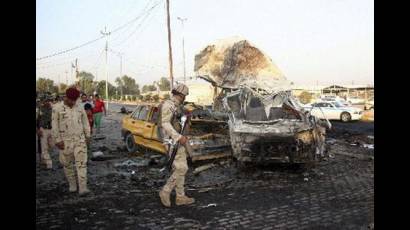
point(44, 130)
point(71, 133)
point(170, 110)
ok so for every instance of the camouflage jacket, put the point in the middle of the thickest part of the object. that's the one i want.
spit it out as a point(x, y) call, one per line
point(170, 111)
point(44, 117)
point(69, 123)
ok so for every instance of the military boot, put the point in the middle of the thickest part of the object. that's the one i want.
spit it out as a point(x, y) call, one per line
point(72, 186)
point(83, 190)
point(165, 198)
point(184, 200)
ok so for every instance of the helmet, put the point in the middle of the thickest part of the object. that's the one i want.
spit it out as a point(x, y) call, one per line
point(181, 88)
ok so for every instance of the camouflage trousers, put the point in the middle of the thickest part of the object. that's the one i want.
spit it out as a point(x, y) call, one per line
point(46, 144)
point(177, 178)
point(75, 153)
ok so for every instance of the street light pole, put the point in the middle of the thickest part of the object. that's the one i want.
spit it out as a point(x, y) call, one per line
point(106, 34)
point(183, 45)
point(171, 74)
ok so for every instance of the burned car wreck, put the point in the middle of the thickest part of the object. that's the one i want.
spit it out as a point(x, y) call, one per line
point(266, 123)
point(272, 127)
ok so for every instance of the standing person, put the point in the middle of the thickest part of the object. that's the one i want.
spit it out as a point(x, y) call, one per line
point(99, 107)
point(170, 110)
point(44, 131)
point(85, 100)
point(89, 111)
point(71, 132)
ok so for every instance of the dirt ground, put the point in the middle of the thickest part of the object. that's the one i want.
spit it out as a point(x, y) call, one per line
point(336, 194)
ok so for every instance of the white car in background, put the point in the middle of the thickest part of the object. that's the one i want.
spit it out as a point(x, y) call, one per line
point(334, 111)
point(355, 100)
point(369, 104)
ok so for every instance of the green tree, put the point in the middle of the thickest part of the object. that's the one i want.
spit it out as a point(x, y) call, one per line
point(86, 82)
point(305, 97)
point(164, 84)
point(155, 98)
point(140, 97)
point(148, 88)
point(62, 88)
point(101, 89)
point(147, 97)
point(46, 85)
point(127, 85)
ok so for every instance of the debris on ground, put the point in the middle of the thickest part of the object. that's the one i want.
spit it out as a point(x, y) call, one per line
point(98, 137)
point(130, 163)
point(331, 141)
point(97, 154)
point(124, 110)
point(368, 146)
point(209, 205)
point(103, 157)
point(203, 168)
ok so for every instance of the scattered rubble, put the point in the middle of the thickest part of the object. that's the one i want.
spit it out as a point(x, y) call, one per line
point(131, 163)
point(209, 205)
point(97, 154)
point(203, 168)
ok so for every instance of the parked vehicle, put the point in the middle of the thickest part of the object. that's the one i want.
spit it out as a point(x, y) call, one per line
point(355, 100)
point(369, 104)
point(140, 130)
point(334, 111)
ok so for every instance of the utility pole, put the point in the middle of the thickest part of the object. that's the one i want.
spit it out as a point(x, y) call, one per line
point(183, 45)
point(120, 54)
point(59, 84)
point(66, 77)
point(171, 75)
point(106, 34)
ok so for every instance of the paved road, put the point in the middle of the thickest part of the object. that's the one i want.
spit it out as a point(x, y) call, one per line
point(337, 194)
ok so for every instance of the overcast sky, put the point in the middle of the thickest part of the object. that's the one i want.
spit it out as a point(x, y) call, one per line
point(324, 41)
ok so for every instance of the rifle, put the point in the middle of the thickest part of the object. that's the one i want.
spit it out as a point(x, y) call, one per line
point(174, 145)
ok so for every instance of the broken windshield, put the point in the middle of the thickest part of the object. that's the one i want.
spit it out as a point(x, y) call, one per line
point(251, 107)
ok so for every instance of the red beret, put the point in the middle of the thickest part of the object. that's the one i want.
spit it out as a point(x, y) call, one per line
point(72, 93)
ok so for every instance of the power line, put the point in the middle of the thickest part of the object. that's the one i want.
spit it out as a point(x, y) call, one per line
point(71, 49)
point(147, 14)
point(94, 40)
point(143, 11)
point(140, 32)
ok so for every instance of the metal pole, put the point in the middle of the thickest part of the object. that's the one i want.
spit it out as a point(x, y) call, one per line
point(120, 65)
point(71, 72)
point(106, 63)
point(171, 75)
point(183, 45)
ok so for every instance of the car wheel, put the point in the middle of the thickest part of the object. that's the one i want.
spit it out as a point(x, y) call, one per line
point(130, 143)
point(345, 117)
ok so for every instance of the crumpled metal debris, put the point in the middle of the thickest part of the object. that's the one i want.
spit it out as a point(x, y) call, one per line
point(368, 146)
point(233, 61)
point(97, 154)
point(209, 205)
point(203, 168)
point(131, 163)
